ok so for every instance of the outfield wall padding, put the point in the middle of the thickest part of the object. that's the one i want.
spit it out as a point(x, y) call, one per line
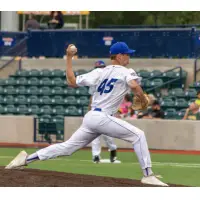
point(161, 134)
point(16, 129)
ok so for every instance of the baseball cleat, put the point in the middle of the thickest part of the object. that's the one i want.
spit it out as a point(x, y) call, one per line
point(152, 180)
point(18, 162)
point(96, 159)
point(113, 156)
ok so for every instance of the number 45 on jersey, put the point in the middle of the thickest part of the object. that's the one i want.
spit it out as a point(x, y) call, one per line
point(106, 86)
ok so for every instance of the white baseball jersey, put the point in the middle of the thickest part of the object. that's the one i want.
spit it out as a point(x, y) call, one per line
point(108, 86)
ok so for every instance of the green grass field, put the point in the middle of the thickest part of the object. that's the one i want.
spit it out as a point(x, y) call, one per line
point(177, 169)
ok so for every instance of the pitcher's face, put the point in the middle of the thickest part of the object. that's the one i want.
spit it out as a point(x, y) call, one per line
point(123, 59)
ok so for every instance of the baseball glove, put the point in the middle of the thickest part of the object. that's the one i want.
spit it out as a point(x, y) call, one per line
point(140, 105)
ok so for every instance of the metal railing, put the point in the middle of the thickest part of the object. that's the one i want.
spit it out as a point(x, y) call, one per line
point(19, 49)
point(167, 82)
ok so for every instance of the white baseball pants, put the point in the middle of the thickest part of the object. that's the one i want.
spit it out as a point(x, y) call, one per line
point(94, 124)
point(96, 145)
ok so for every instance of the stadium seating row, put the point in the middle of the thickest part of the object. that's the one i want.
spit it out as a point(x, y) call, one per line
point(172, 113)
point(40, 100)
point(61, 73)
point(45, 73)
point(33, 81)
point(33, 90)
point(41, 82)
point(44, 110)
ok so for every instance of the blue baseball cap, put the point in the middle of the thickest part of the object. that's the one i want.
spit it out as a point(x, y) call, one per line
point(120, 48)
point(99, 64)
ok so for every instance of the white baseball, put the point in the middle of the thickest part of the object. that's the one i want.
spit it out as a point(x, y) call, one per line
point(73, 48)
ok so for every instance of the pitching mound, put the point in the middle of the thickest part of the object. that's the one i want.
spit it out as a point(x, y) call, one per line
point(40, 178)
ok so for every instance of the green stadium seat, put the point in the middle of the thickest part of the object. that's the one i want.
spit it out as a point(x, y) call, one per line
point(45, 72)
point(45, 81)
point(57, 91)
point(57, 73)
point(156, 73)
point(181, 103)
point(45, 118)
point(82, 91)
point(33, 90)
point(146, 83)
point(169, 75)
point(10, 81)
point(184, 74)
point(10, 109)
point(191, 101)
point(190, 93)
point(85, 109)
point(45, 125)
point(167, 103)
point(1, 90)
point(1, 99)
point(45, 91)
point(2, 109)
point(2, 82)
point(59, 110)
point(57, 82)
point(45, 100)
point(83, 100)
point(143, 73)
point(34, 73)
point(70, 100)
point(80, 72)
point(59, 120)
point(9, 99)
point(34, 100)
point(177, 92)
point(22, 110)
point(22, 72)
point(21, 99)
point(170, 113)
point(57, 100)
point(46, 110)
point(195, 85)
point(33, 81)
point(34, 110)
point(70, 91)
point(22, 81)
point(21, 90)
point(173, 98)
point(156, 82)
point(10, 90)
point(180, 114)
point(73, 111)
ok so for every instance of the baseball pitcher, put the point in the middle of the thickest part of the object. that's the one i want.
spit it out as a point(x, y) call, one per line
point(96, 143)
point(111, 85)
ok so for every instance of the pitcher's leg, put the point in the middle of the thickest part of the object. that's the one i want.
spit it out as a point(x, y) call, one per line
point(118, 128)
point(78, 140)
point(137, 138)
point(109, 142)
point(96, 147)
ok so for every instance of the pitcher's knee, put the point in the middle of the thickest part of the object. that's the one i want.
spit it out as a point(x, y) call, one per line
point(140, 133)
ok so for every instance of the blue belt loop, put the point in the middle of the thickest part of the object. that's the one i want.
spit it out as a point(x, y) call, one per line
point(97, 109)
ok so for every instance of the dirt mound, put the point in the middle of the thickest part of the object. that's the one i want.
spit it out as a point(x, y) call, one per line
point(41, 178)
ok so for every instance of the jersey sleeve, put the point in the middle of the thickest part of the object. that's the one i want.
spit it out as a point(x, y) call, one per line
point(132, 75)
point(88, 79)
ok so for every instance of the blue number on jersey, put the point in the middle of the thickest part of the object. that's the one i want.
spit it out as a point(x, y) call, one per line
point(105, 87)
